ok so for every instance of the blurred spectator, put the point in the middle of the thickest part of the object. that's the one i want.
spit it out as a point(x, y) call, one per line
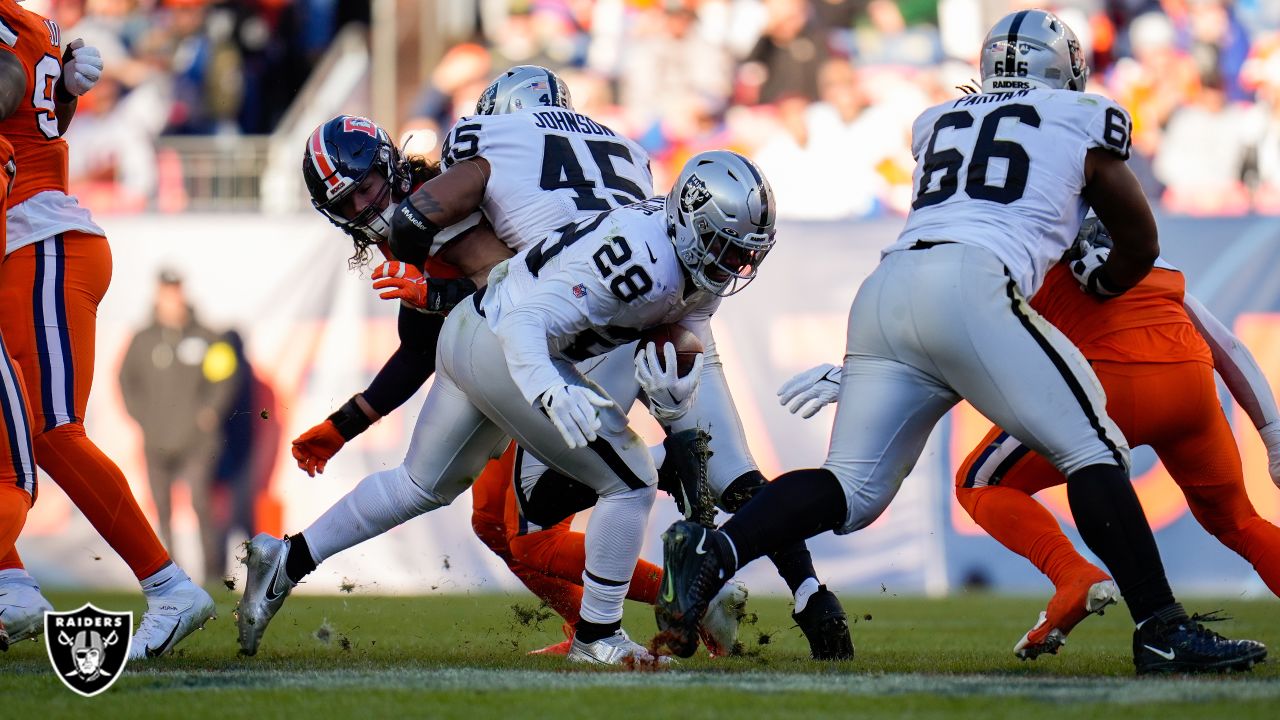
point(668, 63)
point(1202, 156)
point(178, 380)
point(786, 58)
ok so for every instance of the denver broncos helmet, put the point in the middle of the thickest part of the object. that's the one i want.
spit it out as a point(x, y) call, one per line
point(339, 158)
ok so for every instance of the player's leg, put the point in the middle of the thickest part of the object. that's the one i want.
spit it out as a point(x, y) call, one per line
point(617, 466)
point(734, 478)
point(994, 485)
point(22, 607)
point(451, 443)
point(1023, 374)
point(491, 520)
point(1196, 445)
point(54, 288)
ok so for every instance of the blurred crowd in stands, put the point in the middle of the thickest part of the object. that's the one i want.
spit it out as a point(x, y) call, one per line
point(821, 92)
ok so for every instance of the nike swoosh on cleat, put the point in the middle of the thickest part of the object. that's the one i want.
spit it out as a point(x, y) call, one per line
point(156, 651)
point(668, 588)
point(700, 549)
point(271, 595)
point(1166, 654)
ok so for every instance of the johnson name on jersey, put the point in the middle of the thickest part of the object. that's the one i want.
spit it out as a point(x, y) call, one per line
point(1005, 171)
point(548, 168)
point(589, 288)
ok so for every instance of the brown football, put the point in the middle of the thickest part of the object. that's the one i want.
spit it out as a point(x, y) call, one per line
point(687, 345)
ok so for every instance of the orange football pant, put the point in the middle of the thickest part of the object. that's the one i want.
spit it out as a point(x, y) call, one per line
point(1173, 407)
point(17, 458)
point(50, 293)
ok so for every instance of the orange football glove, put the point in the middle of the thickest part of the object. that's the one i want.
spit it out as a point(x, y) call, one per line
point(401, 281)
point(313, 448)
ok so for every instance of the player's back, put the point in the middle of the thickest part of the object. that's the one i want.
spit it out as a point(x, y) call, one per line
point(548, 167)
point(1148, 323)
point(33, 128)
point(1005, 170)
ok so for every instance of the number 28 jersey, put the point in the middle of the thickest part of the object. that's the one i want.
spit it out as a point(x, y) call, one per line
point(548, 168)
point(1005, 171)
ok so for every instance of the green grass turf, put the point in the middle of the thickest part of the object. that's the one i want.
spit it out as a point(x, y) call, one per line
point(464, 656)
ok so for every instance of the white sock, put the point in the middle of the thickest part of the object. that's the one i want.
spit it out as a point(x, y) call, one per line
point(380, 502)
point(804, 592)
point(164, 579)
point(614, 536)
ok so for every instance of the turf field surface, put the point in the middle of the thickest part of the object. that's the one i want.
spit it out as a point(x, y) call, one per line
point(357, 655)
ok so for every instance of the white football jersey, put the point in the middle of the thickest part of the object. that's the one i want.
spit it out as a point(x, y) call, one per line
point(548, 167)
point(1005, 170)
point(592, 287)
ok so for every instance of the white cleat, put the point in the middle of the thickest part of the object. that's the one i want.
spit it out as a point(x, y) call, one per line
point(617, 649)
point(22, 607)
point(171, 615)
point(719, 627)
point(265, 587)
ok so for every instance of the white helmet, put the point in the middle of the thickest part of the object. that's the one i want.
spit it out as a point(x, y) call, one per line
point(1032, 49)
point(524, 86)
point(720, 216)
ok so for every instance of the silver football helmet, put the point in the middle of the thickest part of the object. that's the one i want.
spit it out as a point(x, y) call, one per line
point(524, 86)
point(1032, 49)
point(720, 216)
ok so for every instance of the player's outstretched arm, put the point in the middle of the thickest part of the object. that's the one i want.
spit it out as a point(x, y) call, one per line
point(1244, 378)
point(442, 201)
point(1115, 195)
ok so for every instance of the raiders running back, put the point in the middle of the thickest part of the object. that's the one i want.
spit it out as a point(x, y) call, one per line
point(1023, 153)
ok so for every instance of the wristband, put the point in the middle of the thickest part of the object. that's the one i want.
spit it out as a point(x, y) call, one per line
point(351, 419)
point(412, 233)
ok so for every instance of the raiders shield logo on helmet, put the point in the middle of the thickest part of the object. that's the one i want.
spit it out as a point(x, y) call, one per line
point(88, 647)
point(694, 194)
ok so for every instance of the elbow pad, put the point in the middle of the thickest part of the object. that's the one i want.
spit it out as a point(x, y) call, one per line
point(412, 233)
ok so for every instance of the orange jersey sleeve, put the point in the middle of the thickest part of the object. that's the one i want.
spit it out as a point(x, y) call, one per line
point(33, 128)
point(1146, 324)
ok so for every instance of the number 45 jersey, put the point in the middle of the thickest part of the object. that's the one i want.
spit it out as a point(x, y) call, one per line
point(548, 168)
point(1005, 171)
point(590, 288)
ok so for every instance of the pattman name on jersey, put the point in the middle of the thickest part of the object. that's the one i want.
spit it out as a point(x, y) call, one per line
point(569, 122)
point(984, 98)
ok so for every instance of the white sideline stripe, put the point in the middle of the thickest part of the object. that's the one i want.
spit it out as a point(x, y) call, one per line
point(1130, 691)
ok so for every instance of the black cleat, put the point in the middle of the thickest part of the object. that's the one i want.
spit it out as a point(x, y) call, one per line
point(826, 626)
point(684, 475)
point(1190, 647)
point(696, 563)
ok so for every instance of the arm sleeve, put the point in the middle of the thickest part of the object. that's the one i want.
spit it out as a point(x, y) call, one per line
point(410, 365)
point(552, 311)
point(1236, 365)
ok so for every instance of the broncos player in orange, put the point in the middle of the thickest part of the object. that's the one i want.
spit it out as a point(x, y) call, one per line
point(57, 266)
point(1154, 349)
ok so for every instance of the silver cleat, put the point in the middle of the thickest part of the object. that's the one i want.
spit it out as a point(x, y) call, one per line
point(265, 587)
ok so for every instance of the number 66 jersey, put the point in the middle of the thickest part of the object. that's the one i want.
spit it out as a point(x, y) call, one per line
point(1005, 170)
point(548, 167)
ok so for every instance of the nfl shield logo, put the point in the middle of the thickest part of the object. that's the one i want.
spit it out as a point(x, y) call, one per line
point(580, 290)
point(88, 647)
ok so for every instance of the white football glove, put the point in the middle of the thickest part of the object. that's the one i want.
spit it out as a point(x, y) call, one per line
point(1270, 434)
point(82, 69)
point(572, 410)
point(811, 390)
point(670, 396)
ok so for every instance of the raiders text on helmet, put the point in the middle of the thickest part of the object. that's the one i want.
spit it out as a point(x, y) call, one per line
point(1032, 49)
point(340, 155)
point(524, 86)
point(720, 215)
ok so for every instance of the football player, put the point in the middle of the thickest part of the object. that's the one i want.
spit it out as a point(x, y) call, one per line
point(57, 266)
point(486, 157)
point(1002, 183)
point(274, 564)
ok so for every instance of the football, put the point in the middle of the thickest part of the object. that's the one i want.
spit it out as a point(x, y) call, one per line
point(687, 345)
